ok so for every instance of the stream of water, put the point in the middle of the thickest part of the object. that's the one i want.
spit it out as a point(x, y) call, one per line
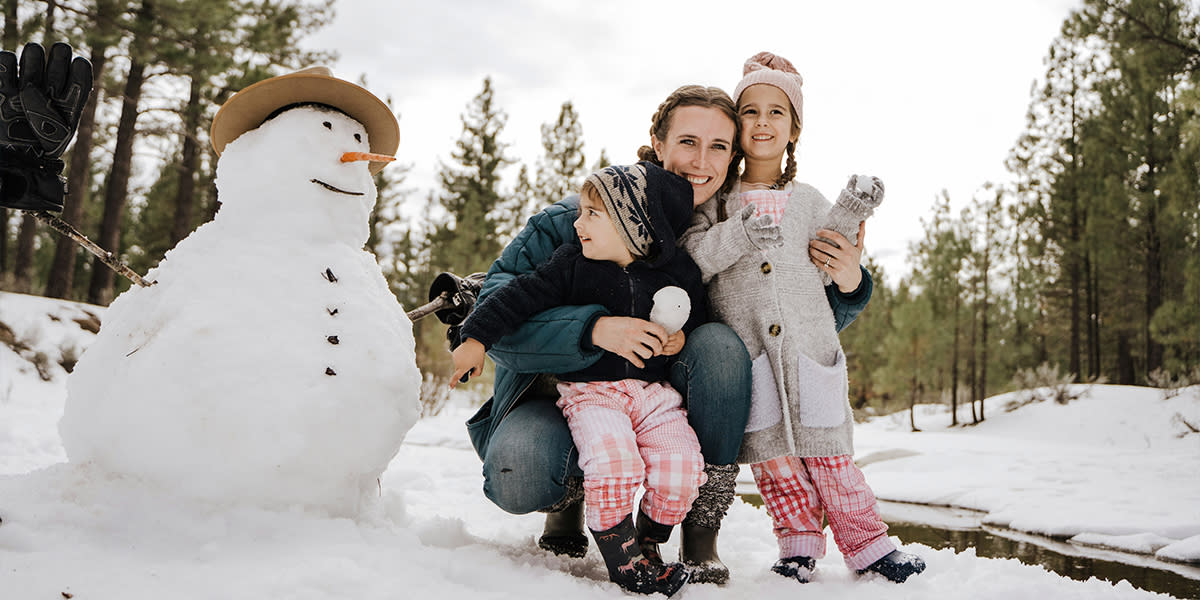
point(939, 527)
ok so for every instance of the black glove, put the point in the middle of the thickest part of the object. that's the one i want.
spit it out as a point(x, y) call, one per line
point(40, 104)
point(29, 183)
point(454, 336)
point(462, 292)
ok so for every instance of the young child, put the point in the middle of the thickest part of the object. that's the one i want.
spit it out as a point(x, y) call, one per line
point(767, 282)
point(627, 422)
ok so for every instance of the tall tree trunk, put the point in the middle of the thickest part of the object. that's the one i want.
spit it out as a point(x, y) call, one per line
point(23, 266)
point(185, 197)
point(62, 270)
point(989, 214)
point(912, 404)
point(1076, 309)
point(983, 350)
point(1154, 286)
point(48, 40)
point(1041, 349)
point(101, 289)
point(1093, 321)
point(971, 373)
point(1125, 371)
point(12, 37)
point(1154, 269)
point(1075, 232)
point(954, 367)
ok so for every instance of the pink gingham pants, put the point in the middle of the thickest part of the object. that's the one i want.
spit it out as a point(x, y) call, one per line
point(631, 432)
point(799, 491)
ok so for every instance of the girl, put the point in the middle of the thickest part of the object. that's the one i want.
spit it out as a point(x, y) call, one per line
point(748, 244)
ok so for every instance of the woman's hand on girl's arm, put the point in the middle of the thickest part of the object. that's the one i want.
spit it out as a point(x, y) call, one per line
point(840, 261)
point(632, 339)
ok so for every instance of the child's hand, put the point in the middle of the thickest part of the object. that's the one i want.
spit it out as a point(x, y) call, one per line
point(866, 188)
point(674, 344)
point(468, 361)
point(630, 338)
point(762, 231)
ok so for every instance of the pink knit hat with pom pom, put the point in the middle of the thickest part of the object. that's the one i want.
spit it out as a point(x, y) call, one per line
point(775, 70)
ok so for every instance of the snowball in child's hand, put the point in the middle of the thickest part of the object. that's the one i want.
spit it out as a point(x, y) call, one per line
point(671, 308)
point(865, 184)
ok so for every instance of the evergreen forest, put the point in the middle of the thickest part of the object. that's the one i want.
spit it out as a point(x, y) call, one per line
point(1085, 267)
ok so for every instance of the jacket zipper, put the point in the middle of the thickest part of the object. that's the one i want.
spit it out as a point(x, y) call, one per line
point(632, 301)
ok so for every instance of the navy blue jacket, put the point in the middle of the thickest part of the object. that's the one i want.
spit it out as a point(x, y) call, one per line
point(570, 278)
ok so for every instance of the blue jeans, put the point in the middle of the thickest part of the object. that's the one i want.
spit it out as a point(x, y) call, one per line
point(531, 455)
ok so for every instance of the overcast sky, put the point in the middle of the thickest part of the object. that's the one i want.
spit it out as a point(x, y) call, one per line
point(926, 94)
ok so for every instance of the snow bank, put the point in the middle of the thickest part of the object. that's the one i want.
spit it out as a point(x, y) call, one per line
point(1111, 469)
point(431, 532)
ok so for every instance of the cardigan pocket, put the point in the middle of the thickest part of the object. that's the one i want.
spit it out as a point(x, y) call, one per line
point(765, 409)
point(823, 392)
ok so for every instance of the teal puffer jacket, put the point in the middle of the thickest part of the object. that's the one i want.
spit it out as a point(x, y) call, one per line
point(557, 340)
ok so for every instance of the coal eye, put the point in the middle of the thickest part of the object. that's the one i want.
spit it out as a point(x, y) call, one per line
point(357, 137)
point(327, 125)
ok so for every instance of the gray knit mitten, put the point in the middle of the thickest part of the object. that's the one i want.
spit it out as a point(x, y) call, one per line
point(762, 231)
point(863, 194)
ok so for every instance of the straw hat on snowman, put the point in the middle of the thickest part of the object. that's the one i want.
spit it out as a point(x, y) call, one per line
point(249, 108)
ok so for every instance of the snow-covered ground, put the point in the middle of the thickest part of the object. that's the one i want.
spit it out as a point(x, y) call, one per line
point(1116, 468)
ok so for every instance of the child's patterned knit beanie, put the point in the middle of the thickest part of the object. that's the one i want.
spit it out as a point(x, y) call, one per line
point(622, 188)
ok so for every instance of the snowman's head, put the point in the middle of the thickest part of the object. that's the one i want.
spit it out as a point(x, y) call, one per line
point(290, 174)
point(256, 104)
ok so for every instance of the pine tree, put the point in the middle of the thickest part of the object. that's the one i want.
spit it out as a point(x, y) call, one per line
point(986, 257)
point(602, 161)
point(526, 201)
point(560, 169)
point(225, 42)
point(1049, 165)
point(101, 287)
point(1176, 324)
point(938, 260)
point(1154, 56)
point(103, 34)
point(905, 368)
point(864, 353)
point(28, 234)
point(396, 242)
point(465, 238)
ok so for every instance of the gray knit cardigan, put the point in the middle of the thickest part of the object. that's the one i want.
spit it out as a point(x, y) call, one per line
point(776, 302)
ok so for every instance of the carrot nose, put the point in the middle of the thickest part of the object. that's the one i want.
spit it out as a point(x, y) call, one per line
point(356, 156)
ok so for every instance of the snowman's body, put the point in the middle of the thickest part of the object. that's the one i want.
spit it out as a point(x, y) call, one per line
point(269, 362)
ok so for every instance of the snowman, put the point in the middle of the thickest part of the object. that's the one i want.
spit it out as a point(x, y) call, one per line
point(269, 363)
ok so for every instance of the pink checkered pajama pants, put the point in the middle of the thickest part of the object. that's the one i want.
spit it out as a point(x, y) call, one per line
point(799, 491)
point(631, 432)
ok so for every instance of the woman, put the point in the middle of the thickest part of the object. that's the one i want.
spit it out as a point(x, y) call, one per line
point(529, 461)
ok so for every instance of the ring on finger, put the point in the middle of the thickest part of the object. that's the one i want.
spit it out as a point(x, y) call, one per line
point(826, 263)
